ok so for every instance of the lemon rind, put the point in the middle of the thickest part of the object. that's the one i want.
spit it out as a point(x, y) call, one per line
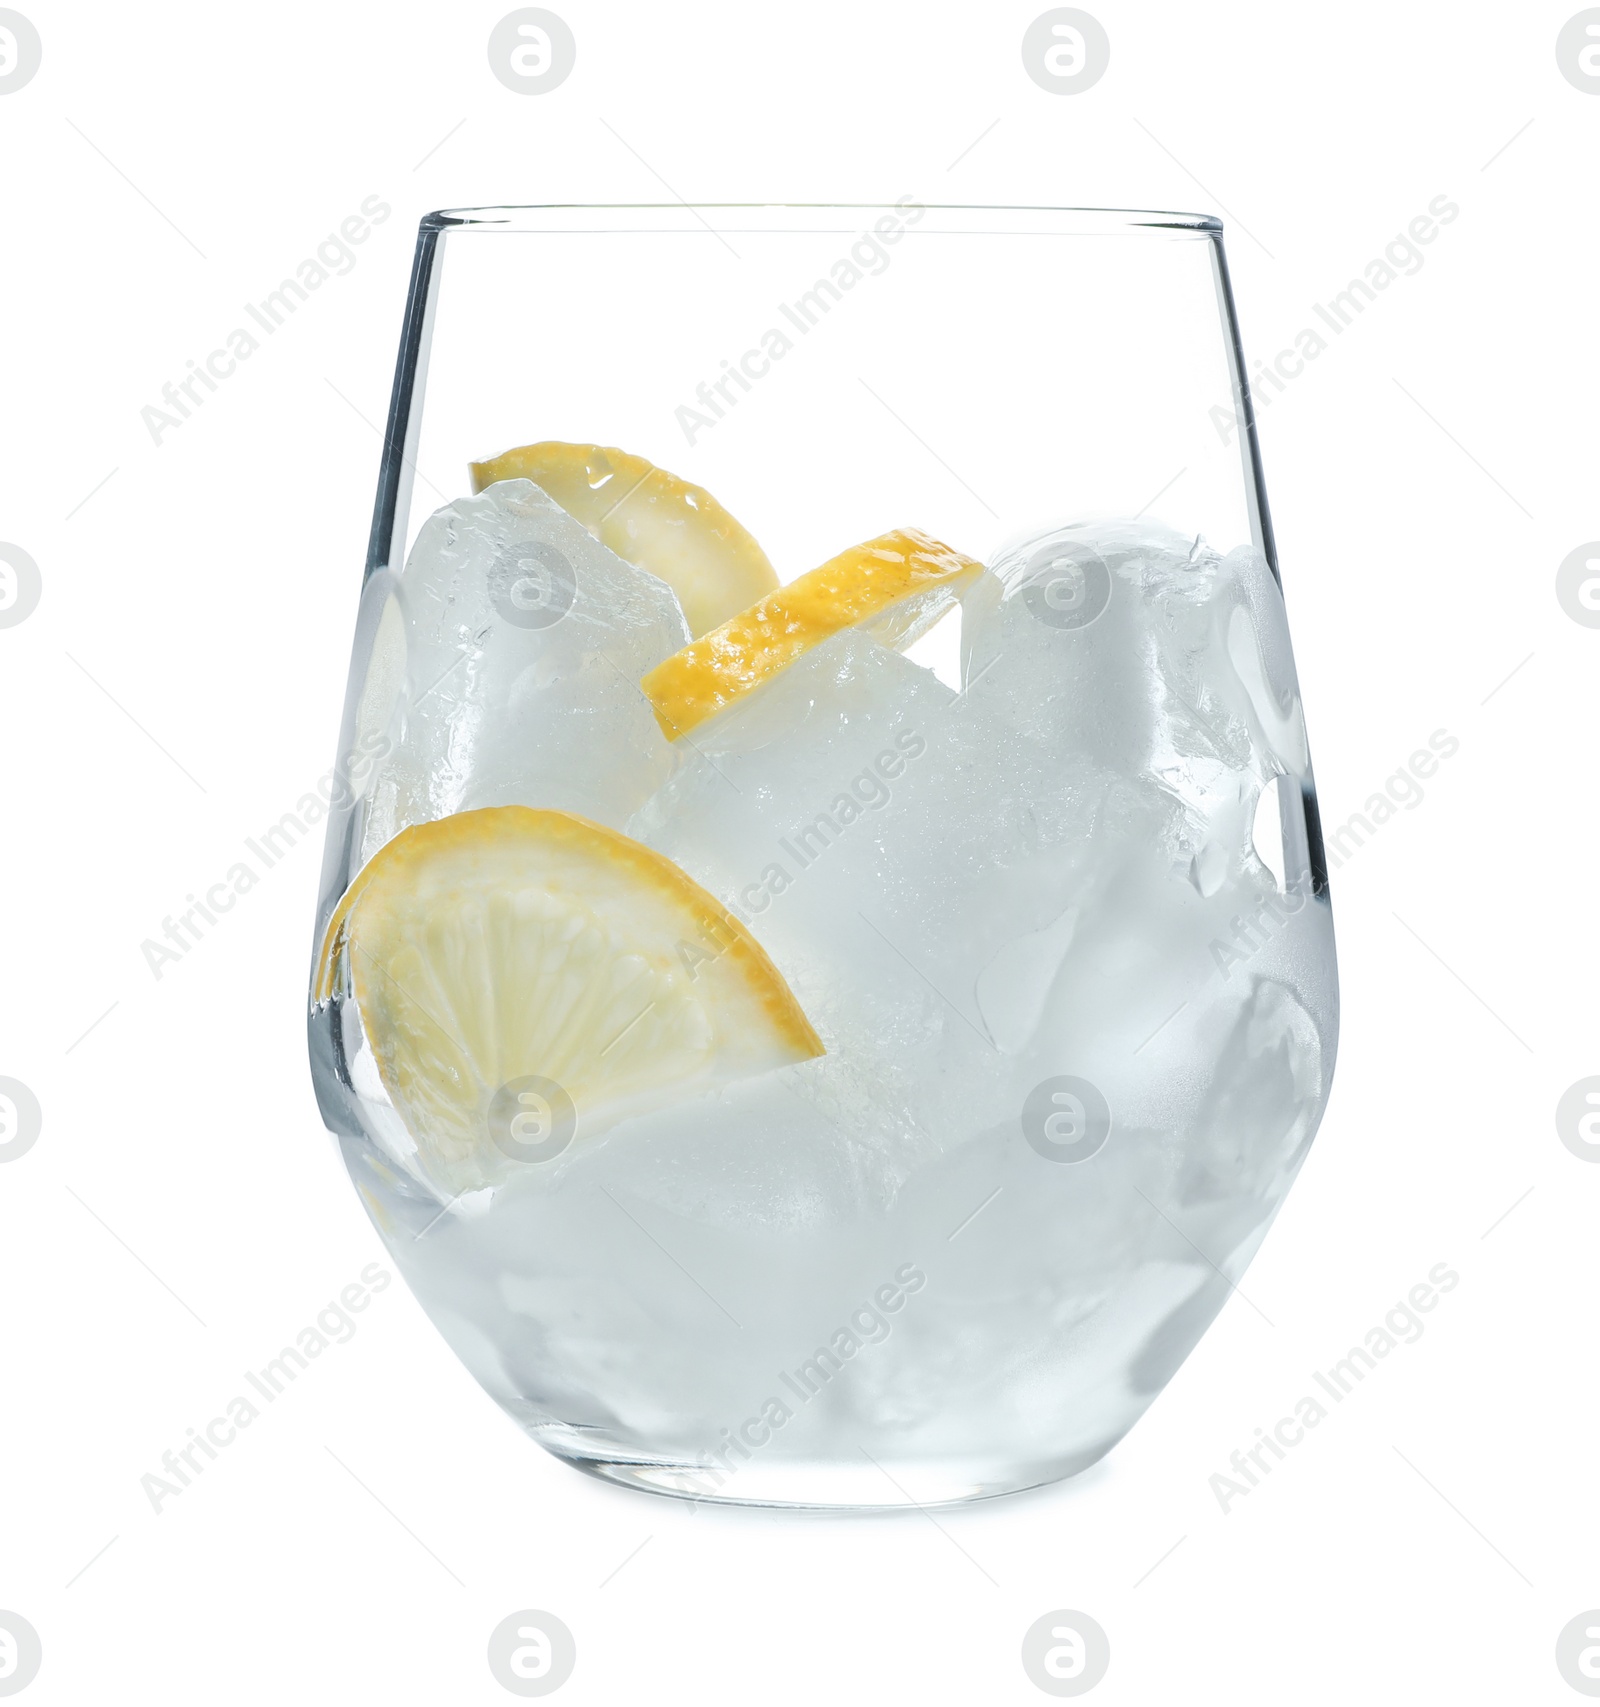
point(856, 587)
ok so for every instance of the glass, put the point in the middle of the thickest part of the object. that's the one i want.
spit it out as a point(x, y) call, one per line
point(1044, 879)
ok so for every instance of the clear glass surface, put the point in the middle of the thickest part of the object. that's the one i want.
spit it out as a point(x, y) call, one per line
point(1046, 881)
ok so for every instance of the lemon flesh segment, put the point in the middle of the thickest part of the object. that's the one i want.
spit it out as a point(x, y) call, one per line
point(649, 517)
point(897, 585)
point(510, 943)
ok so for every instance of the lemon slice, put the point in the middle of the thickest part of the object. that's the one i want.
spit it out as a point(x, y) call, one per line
point(524, 976)
point(651, 518)
point(900, 583)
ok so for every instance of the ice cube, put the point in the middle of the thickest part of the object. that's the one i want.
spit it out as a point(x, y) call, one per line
point(1134, 648)
point(520, 642)
point(1261, 1106)
point(784, 807)
point(885, 844)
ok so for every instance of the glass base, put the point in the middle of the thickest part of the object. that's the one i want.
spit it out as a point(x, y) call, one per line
point(877, 1484)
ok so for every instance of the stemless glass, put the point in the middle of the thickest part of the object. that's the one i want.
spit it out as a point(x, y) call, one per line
point(1046, 880)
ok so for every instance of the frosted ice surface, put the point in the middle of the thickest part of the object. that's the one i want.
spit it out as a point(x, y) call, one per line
point(1262, 1103)
point(885, 842)
point(1139, 650)
point(800, 809)
point(1146, 658)
point(510, 656)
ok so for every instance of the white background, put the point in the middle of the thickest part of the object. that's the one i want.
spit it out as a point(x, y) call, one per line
point(179, 685)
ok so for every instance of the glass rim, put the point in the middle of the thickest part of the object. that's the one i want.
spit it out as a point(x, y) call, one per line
point(1044, 219)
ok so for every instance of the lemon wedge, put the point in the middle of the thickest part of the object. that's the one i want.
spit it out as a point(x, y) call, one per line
point(649, 517)
point(900, 584)
point(527, 976)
